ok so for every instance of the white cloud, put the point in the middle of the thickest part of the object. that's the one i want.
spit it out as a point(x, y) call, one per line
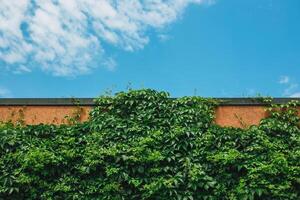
point(110, 64)
point(290, 89)
point(164, 37)
point(21, 69)
point(64, 37)
point(4, 92)
point(284, 80)
point(296, 95)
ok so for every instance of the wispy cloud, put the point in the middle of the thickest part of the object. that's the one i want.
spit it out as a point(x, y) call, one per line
point(284, 80)
point(64, 37)
point(21, 69)
point(296, 95)
point(164, 37)
point(291, 88)
point(110, 64)
point(4, 92)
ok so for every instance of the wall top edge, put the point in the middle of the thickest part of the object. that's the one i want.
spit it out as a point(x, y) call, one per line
point(90, 101)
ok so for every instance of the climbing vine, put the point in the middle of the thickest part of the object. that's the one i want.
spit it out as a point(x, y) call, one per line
point(143, 145)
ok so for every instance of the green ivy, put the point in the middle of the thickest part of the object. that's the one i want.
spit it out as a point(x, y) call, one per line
point(142, 144)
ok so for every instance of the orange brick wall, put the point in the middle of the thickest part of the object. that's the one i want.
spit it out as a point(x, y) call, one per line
point(236, 116)
point(42, 114)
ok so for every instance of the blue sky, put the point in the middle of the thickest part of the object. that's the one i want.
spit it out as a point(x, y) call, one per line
point(221, 48)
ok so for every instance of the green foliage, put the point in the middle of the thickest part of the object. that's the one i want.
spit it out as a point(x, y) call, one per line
point(143, 145)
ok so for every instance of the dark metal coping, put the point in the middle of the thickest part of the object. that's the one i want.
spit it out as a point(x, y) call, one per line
point(90, 101)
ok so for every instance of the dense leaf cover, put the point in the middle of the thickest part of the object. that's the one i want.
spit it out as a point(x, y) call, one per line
point(143, 145)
